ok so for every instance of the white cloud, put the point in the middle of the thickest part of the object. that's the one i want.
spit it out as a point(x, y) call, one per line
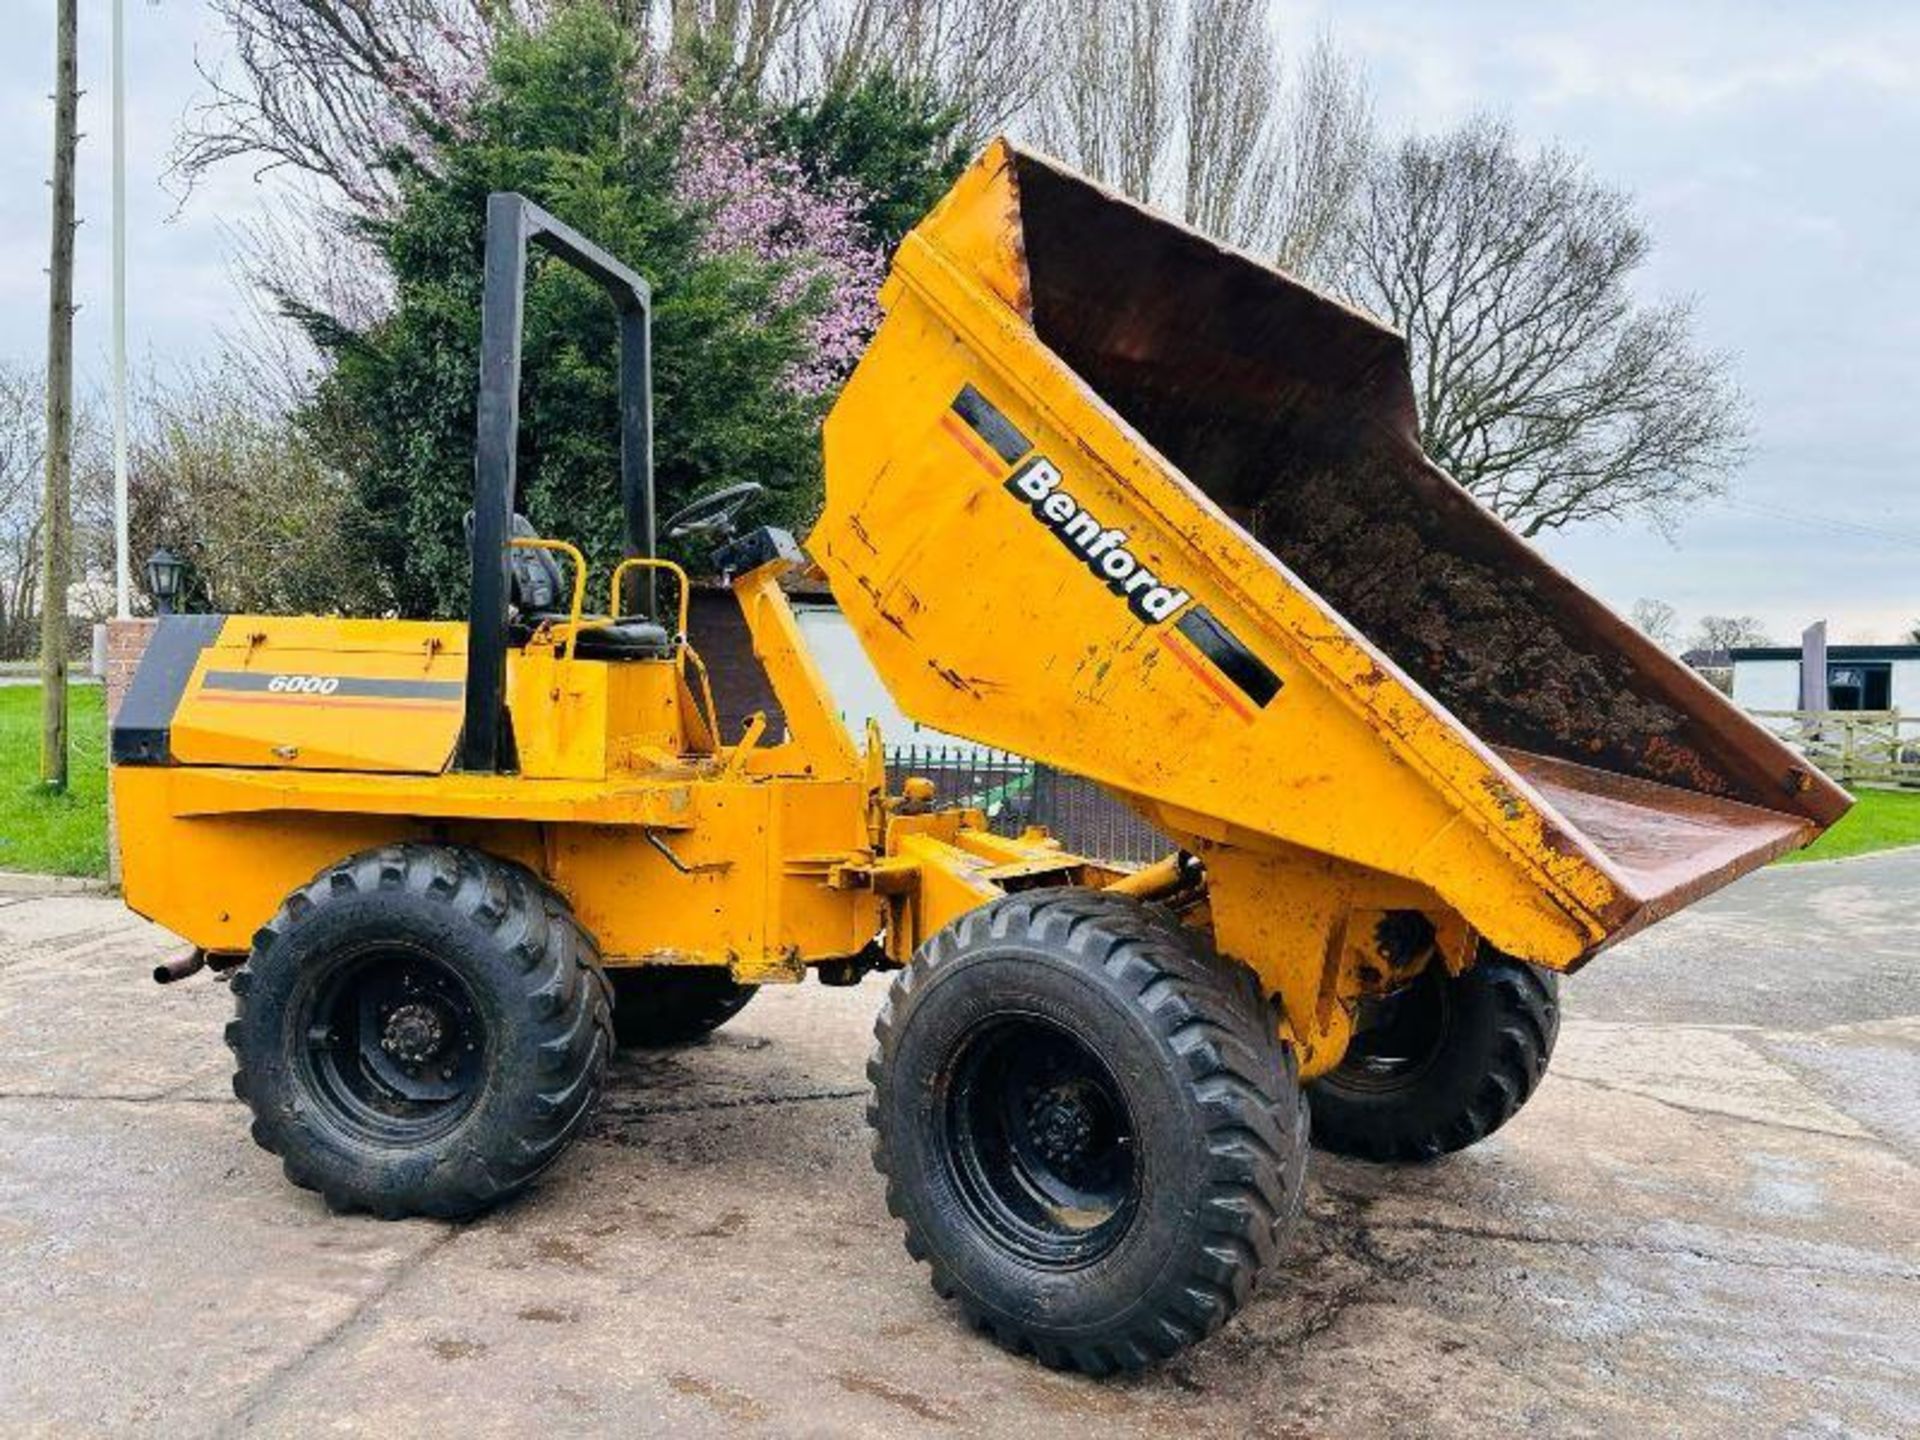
point(1703, 77)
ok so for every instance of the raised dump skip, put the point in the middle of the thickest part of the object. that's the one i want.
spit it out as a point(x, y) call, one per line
point(1297, 417)
point(1418, 665)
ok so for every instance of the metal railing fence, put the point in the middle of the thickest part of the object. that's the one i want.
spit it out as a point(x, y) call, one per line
point(1016, 792)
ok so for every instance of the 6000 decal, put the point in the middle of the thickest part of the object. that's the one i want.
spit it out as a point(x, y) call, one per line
point(241, 683)
point(304, 684)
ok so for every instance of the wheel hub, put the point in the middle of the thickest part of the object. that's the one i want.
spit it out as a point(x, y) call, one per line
point(396, 1047)
point(1400, 1037)
point(1040, 1142)
point(414, 1033)
point(1061, 1125)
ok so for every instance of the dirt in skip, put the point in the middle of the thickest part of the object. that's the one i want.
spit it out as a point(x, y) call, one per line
point(1477, 636)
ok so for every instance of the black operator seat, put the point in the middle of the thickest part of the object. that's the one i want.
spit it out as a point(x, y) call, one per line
point(540, 595)
point(624, 640)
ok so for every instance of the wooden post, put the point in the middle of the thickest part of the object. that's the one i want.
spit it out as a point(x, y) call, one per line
point(54, 637)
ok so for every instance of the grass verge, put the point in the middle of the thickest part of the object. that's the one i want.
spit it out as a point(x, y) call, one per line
point(1879, 820)
point(53, 834)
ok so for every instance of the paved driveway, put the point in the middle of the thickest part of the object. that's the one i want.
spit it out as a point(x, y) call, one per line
point(1706, 1222)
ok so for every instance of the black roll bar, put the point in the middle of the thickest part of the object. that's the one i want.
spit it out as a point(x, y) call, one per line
point(514, 222)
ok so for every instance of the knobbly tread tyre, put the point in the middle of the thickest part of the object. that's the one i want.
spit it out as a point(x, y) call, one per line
point(658, 1005)
point(540, 974)
point(1496, 1061)
point(1219, 1066)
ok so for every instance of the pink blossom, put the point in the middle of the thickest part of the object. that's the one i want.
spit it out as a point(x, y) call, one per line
point(752, 197)
point(756, 199)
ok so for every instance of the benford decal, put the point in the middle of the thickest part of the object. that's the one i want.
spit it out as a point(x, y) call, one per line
point(1241, 680)
point(1103, 550)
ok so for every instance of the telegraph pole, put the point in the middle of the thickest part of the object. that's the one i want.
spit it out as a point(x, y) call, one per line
point(122, 566)
point(54, 638)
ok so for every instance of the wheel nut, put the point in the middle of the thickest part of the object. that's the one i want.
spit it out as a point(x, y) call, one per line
point(414, 1033)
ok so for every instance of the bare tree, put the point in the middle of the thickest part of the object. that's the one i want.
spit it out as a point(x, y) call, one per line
point(1190, 107)
point(750, 35)
point(22, 521)
point(1543, 385)
point(22, 458)
point(302, 260)
point(1233, 151)
point(330, 89)
point(218, 474)
point(326, 88)
point(1326, 137)
point(225, 481)
point(1717, 634)
point(1657, 620)
point(1108, 107)
point(986, 58)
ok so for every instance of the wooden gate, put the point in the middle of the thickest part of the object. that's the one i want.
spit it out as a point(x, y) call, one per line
point(1855, 747)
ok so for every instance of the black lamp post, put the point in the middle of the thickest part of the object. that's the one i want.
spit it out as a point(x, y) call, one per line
point(165, 571)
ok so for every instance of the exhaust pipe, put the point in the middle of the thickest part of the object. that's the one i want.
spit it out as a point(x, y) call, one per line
point(179, 968)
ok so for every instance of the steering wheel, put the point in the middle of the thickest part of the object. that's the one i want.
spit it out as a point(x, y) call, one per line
point(713, 514)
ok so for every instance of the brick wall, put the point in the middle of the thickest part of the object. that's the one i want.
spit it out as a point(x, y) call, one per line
point(126, 643)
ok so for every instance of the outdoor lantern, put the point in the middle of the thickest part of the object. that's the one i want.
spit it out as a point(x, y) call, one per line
point(165, 571)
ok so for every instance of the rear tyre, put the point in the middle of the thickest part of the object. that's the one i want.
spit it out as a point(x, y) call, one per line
point(1443, 1064)
point(421, 1030)
point(1088, 1125)
point(657, 1005)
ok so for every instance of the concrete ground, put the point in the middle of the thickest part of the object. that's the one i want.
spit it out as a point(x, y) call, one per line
point(1706, 1222)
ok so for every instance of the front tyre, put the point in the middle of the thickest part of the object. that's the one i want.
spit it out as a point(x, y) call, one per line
point(1441, 1064)
point(420, 1030)
point(1089, 1127)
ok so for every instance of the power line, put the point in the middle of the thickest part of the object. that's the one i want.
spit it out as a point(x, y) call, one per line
point(1833, 524)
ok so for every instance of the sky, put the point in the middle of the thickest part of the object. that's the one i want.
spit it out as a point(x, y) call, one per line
point(1773, 149)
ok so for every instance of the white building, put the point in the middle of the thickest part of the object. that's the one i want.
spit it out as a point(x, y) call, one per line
point(1859, 677)
point(856, 686)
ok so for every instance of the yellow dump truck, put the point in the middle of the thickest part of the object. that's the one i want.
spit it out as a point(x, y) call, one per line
point(1102, 493)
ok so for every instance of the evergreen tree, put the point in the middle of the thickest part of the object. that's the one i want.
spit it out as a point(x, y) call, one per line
point(762, 292)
